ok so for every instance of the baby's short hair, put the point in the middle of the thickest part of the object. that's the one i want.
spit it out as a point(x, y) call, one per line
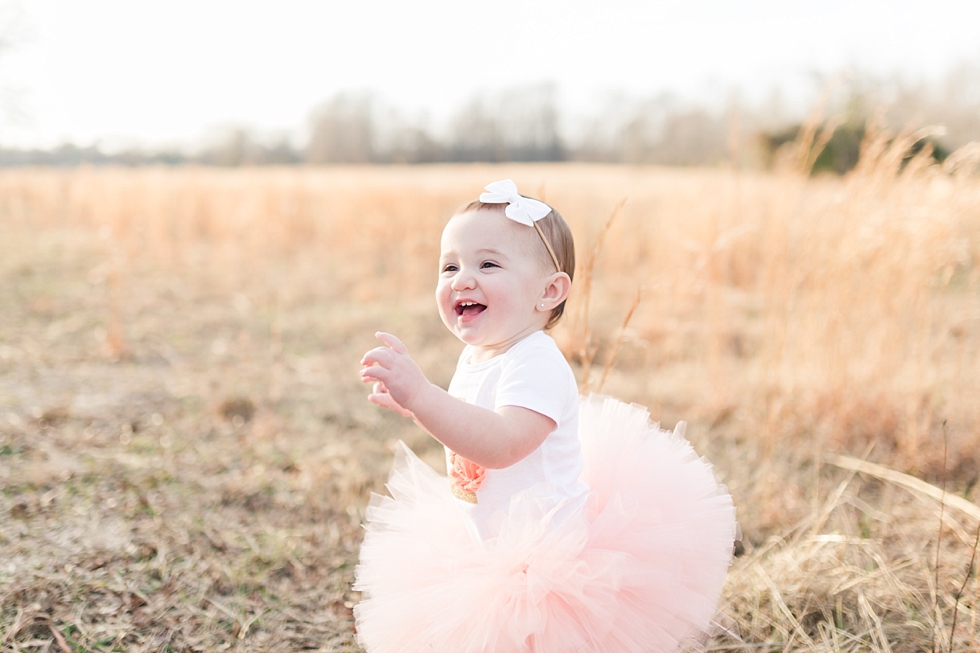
point(559, 237)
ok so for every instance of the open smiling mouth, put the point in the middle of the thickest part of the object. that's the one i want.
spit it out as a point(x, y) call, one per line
point(469, 308)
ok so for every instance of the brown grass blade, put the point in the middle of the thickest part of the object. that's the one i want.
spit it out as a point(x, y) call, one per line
point(905, 480)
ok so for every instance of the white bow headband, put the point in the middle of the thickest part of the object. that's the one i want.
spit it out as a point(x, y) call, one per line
point(524, 210)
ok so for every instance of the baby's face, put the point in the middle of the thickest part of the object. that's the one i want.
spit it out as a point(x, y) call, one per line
point(490, 282)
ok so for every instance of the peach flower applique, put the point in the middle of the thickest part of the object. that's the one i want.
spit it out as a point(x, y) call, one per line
point(465, 476)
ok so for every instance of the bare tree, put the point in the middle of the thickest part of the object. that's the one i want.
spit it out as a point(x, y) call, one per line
point(240, 146)
point(343, 131)
point(476, 133)
point(517, 125)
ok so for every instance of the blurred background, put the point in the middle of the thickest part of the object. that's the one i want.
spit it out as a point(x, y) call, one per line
point(207, 208)
point(675, 83)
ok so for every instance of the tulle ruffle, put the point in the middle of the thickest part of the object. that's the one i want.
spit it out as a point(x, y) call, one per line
point(640, 570)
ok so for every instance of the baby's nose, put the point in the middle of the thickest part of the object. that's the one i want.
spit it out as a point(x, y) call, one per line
point(462, 280)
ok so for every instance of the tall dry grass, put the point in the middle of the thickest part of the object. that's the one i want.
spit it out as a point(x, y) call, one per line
point(840, 307)
point(790, 318)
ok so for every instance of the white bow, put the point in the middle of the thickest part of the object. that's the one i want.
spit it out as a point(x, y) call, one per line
point(519, 208)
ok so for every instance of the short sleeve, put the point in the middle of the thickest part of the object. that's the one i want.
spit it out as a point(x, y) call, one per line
point(538, 379)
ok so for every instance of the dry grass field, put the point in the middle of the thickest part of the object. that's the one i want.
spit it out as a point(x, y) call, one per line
point(186, 452)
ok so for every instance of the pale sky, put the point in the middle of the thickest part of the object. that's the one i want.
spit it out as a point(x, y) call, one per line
point(167, 72)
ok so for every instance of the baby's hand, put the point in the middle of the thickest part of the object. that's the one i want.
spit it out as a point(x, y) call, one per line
point(397, 379)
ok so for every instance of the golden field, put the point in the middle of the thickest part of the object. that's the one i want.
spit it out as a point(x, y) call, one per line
point(186, 452)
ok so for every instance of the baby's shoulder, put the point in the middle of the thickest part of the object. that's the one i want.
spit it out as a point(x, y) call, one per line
point(536, 375)
point(539, 352)
point(538, 344)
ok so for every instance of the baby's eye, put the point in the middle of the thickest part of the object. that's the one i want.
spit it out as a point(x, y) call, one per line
point(450, 267)
point(489, 264)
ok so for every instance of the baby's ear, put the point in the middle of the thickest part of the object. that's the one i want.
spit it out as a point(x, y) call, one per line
point(556, 291)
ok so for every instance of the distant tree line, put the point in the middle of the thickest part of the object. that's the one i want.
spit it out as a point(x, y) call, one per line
point(526, 124)
point(517, 125)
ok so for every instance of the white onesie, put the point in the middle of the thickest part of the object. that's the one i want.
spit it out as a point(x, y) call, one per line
point(532, 374)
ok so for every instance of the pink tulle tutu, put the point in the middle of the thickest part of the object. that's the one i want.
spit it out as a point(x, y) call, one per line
point(641, 570)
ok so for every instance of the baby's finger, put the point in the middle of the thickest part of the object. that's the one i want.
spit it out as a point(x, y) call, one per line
point(373, 374)
point(378, 355)
point(382, 399)
point(393, 342)
point(385, 401)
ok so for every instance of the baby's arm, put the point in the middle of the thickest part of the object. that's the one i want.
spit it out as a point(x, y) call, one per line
point(492, 439)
